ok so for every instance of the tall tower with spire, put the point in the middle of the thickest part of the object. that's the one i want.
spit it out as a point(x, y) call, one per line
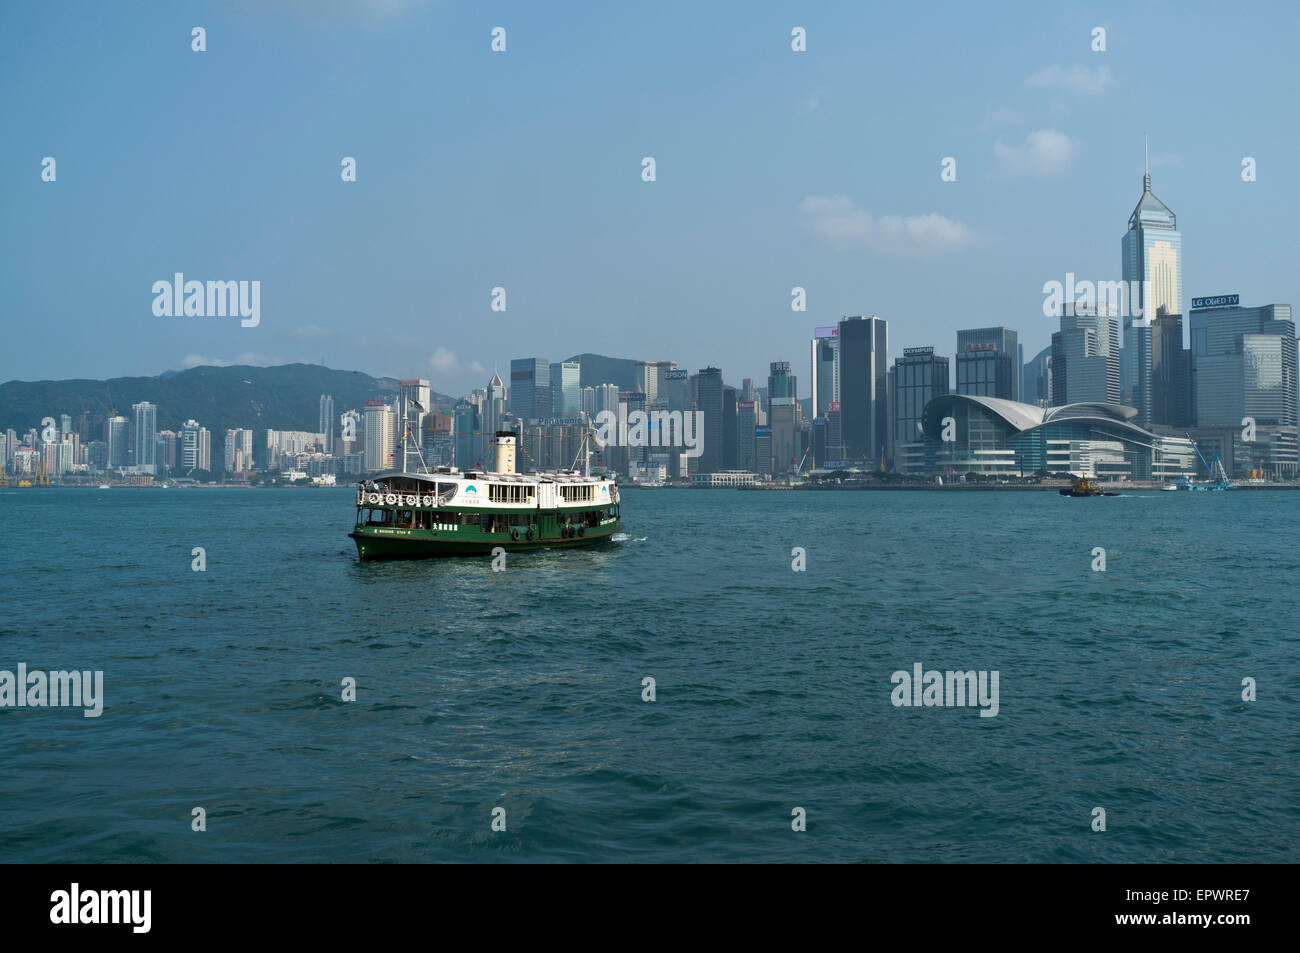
point(494, 408)
point(1152, 263)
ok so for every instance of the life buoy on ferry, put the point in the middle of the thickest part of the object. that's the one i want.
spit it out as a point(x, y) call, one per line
point(582, 531)
point(426, 501)
point(412, 500)
point(373, 498)
point(391, 499)
point(530, 534)
point(514, 534)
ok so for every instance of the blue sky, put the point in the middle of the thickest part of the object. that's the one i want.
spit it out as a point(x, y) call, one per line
point(522, 169)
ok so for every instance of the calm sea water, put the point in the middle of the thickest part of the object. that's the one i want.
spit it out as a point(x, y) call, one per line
point(523, 689)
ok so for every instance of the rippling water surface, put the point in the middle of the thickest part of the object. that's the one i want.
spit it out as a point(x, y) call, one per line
point(522, 689)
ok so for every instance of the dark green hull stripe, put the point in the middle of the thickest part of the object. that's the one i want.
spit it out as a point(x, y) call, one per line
point(426, 544)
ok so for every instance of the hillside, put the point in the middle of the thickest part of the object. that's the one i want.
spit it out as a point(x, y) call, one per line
point(286, 397)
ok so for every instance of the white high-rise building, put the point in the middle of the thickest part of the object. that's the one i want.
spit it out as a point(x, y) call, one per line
point(146, 430)
point(196, 447)
point(380, 441)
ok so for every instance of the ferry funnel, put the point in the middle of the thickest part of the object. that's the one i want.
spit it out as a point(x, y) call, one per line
point(503, 457)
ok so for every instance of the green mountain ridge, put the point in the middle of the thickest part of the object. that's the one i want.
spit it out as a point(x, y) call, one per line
point(285, 397)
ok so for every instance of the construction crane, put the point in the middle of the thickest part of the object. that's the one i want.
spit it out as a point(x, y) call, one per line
point(1215, 469)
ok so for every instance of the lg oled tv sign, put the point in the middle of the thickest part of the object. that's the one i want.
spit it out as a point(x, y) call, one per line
point(1219, 301)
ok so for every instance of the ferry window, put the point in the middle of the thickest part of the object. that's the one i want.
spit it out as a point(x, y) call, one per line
point(510, 493)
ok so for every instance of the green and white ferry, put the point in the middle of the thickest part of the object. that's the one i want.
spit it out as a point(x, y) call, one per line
point(448, 512)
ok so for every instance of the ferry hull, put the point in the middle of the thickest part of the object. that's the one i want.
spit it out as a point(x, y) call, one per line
point(383, 543)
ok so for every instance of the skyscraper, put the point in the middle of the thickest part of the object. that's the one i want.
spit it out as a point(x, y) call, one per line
point(467, 449)
point(780, 382)
point(710, 405)
point(1152, 256)
point(745, 424)
point(238, 451)
point(864, 356)
point(327, 426)
point(413, 405)
point(729, 452)
point(988, 363)
point(379, 436)
point(530, 388)
point(195, 448)
point(919, 377)
point(1244, 364)
point(781, 425)
point(115, 434)
point(1244, 369)
point(146, 430)
point(825, 369)
point(566, 397)
point(675, 388)
point(648, 377)
point(1085, 356)
point(1171, 373)
point(1036, 379)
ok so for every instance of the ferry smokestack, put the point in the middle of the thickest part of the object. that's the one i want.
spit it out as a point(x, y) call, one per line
point(503, 459)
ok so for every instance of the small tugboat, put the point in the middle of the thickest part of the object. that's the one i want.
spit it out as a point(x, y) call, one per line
point(404, 515)
point(1085, 487)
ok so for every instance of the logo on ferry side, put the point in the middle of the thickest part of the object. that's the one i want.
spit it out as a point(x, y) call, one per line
point(470, 489)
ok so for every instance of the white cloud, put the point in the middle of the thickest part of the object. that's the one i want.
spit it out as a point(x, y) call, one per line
point(477, 368)
point(1045, 152)
point(444, 361)
point(839, 220)
point(1077, 79)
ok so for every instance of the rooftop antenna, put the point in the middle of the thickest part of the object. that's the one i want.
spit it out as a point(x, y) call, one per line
point(1146, 177)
